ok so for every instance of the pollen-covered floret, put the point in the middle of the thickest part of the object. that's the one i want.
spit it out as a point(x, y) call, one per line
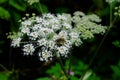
point(45, 55)
point(28, 49)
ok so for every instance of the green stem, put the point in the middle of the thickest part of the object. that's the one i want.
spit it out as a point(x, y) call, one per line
point(62, 66)
point(110, 14)
point(40, 7)
point(69, 66)
point(102, 41)
point(4, 68)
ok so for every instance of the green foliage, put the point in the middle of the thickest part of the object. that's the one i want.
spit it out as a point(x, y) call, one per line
point(3, 76)
point(11, 11)
point(41, 8)
point(74, 78)
point(9, 75)
point(116, 71)
point(94, 77)
point(87, 75)
point(44, 8)
point(17, 5)
point(54, 70)
point(2, 1)
point(78, 70)
point(4, 14)
point(116, 43)
point(102, 9)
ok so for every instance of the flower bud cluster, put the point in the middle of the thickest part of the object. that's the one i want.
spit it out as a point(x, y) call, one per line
point(32, 1)
point(117, 11)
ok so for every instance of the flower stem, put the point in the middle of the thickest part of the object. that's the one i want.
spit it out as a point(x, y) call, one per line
point(40, 8)
point(69, 65)
point(110, 14)
point(62, 66)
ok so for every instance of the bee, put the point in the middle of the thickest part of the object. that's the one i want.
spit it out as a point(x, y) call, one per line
point(60, 41)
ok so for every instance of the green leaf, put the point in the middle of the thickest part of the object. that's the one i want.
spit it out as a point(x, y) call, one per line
point(54, 70)
point(44, 8)
point(4, 14)
point(87, 75)
point(73, 78)
point(94, 77)
point(16, 16)
point(67, 64)
point(119, 64)
point(81, 65)
point(17, 5)
point(79, 68)
point(3, 76)
point(63, 78)
point(2, 1)
point(41, 8)
point(116, 43)
point(116, 70)
point(78, 72)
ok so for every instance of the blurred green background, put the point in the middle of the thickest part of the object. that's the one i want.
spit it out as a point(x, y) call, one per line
point(15, 66)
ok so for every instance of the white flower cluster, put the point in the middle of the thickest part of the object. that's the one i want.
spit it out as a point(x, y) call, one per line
point(110, 1)
point(53, 35)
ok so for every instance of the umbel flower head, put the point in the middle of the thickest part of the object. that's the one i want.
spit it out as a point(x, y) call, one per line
point(53, 35)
